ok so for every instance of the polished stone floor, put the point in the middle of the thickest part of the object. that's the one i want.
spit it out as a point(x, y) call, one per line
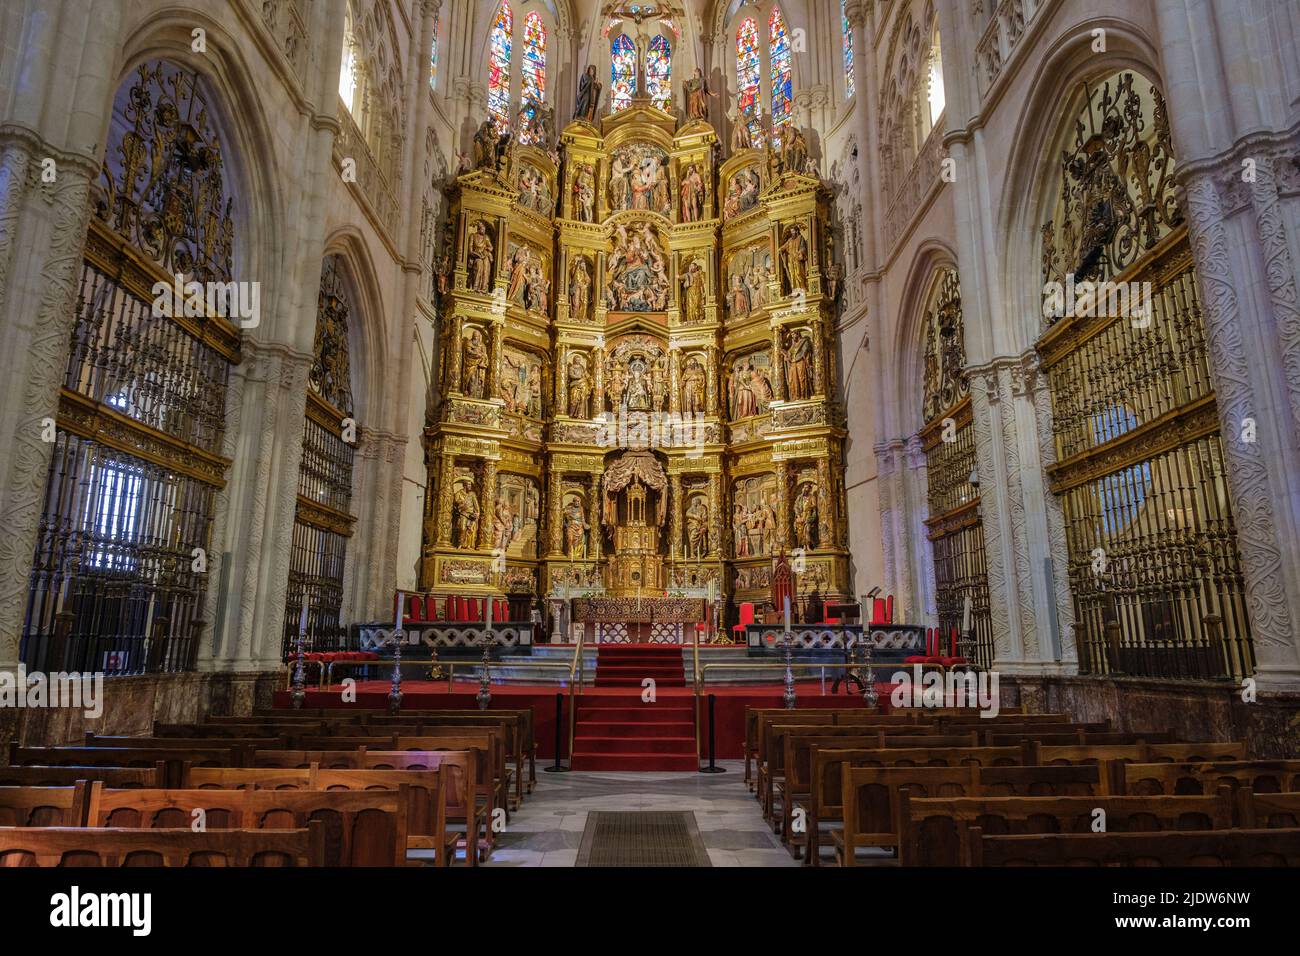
point(547, 830)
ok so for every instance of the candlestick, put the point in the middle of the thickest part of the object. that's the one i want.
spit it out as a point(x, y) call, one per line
point(302, 618)
point(965, 614)
point(787, 614)
point(395, 688)
point(788, 694)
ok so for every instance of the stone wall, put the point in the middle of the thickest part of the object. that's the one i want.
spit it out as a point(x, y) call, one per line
point(1193, 711)
point(132, 704)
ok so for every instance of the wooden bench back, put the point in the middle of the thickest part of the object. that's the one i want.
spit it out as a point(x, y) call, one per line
point(83, 846)
point(1213, 848)
point(248, 778)
point(1263, 776)
point(933, 831)
point(303, 759)
point(361, 827)
point(1261, 810)
point(459, 768)
point(121, 777)
point(44, 806)
point(426, 809)
point(1143, 753)
point(148, 757)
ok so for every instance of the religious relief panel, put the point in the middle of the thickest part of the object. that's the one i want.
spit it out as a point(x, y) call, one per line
point(748, 272)
point(519, 382)
point(638, 179)
point(474, 362)
point(534, 189)
point(464, 509)
point(798, 358)
point(480, 255)
point(638, 270)
point(636, 375)
point(754, 516)
point(529, 283)
point(516, 515)
point(749, 385)
point(742, 192)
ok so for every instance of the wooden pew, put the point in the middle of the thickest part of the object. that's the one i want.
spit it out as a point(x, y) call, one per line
point(44, 806)
point(1199, 848)
point(426, 814)
point(1262, 776)
point(1144, 753)
point(84, 846)
point(491, 782)
point(1271, 810)
point(361, 828)
point(460, 770)
point(120, 777)
point(934, 831)
point(303, 759)
point(150, 757)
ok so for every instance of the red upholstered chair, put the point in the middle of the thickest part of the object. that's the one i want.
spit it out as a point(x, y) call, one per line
point(459, 602)
point(746, 618)
point(431, 608)
point(414, 607)
point(878, 611)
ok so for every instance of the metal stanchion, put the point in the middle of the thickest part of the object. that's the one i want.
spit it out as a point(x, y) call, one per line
point(558, 767)
point(712, 767)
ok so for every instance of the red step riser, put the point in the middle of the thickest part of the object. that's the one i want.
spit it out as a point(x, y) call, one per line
point(640, 672)
point(636, 682)
point(633, 730)
point(647, 714)
point(633, 745)
point(635, 763)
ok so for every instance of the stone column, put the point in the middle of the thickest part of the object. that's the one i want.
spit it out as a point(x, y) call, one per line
point(66, 63)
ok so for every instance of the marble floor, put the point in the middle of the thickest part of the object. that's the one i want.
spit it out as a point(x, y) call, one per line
point(547, 830)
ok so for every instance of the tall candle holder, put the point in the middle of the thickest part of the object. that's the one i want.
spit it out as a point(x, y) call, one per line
point(869, 695)
point(395, 688)
point(299, 695)
point(788, 694)
point(484, 696)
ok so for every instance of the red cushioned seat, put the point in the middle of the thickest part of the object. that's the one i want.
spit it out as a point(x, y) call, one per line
point(950, 661)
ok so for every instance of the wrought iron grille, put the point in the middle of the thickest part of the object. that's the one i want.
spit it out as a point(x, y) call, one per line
point(948, 439)
point(323, 521)
point(119, 574)
point(1152, 553)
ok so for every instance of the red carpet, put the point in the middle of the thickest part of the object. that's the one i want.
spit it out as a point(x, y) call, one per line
point(623, 711)
point(630, 732)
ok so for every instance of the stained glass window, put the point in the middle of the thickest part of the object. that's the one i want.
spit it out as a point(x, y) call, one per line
point(779, 53)
point(747, 77)
point(935, 95)
point(622, 72)
point(433, 55)
point(658, 72)
point(499, 67)
point(848, 51)
point(348, 69)
point(534, 71)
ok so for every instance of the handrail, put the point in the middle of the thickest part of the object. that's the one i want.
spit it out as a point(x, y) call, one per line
point(577, 666)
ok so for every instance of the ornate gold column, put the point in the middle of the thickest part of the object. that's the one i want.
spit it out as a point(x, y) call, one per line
point(553, 514)
point(711, 397)
point(674, 378)
point(453, 367)
point(782, 505)
point(598, 381)
point(778, 366)
point(562, 380)
point(594, 536)
point(819, 358)
point(444, 499)
point(825, 505)
point(487, 504)
point(494, 366)
point(715, 515)
point(675, 528)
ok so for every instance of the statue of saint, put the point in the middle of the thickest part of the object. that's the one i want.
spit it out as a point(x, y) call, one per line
point(805, 517)
point(588, 96)
point(503, 524)
point(475, 365)
point(465, 516)
point(659, 383)
point(799, 367)
point(740, 137)
point(584, 193)
point(579, 289)
point(638, 390)
point(579, 383)
point(693, 387)
point(520, 264)
point(575, 529)
point(692, 194)
point(480, 258)
point(693, 293)
point(697, 97)
point(794, 258)
point(794, 150)
point(539, 289)
point(738, 296)
point(485, 146)
point(697, 528)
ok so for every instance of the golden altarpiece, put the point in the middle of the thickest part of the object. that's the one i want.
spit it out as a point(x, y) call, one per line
point(636, 389)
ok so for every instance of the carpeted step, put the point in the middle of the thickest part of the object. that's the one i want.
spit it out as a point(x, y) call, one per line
point(639, 670)
point(662, 728)
point(636, 681)
point(647, 763)
point(645, 714)
point(631, 745)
